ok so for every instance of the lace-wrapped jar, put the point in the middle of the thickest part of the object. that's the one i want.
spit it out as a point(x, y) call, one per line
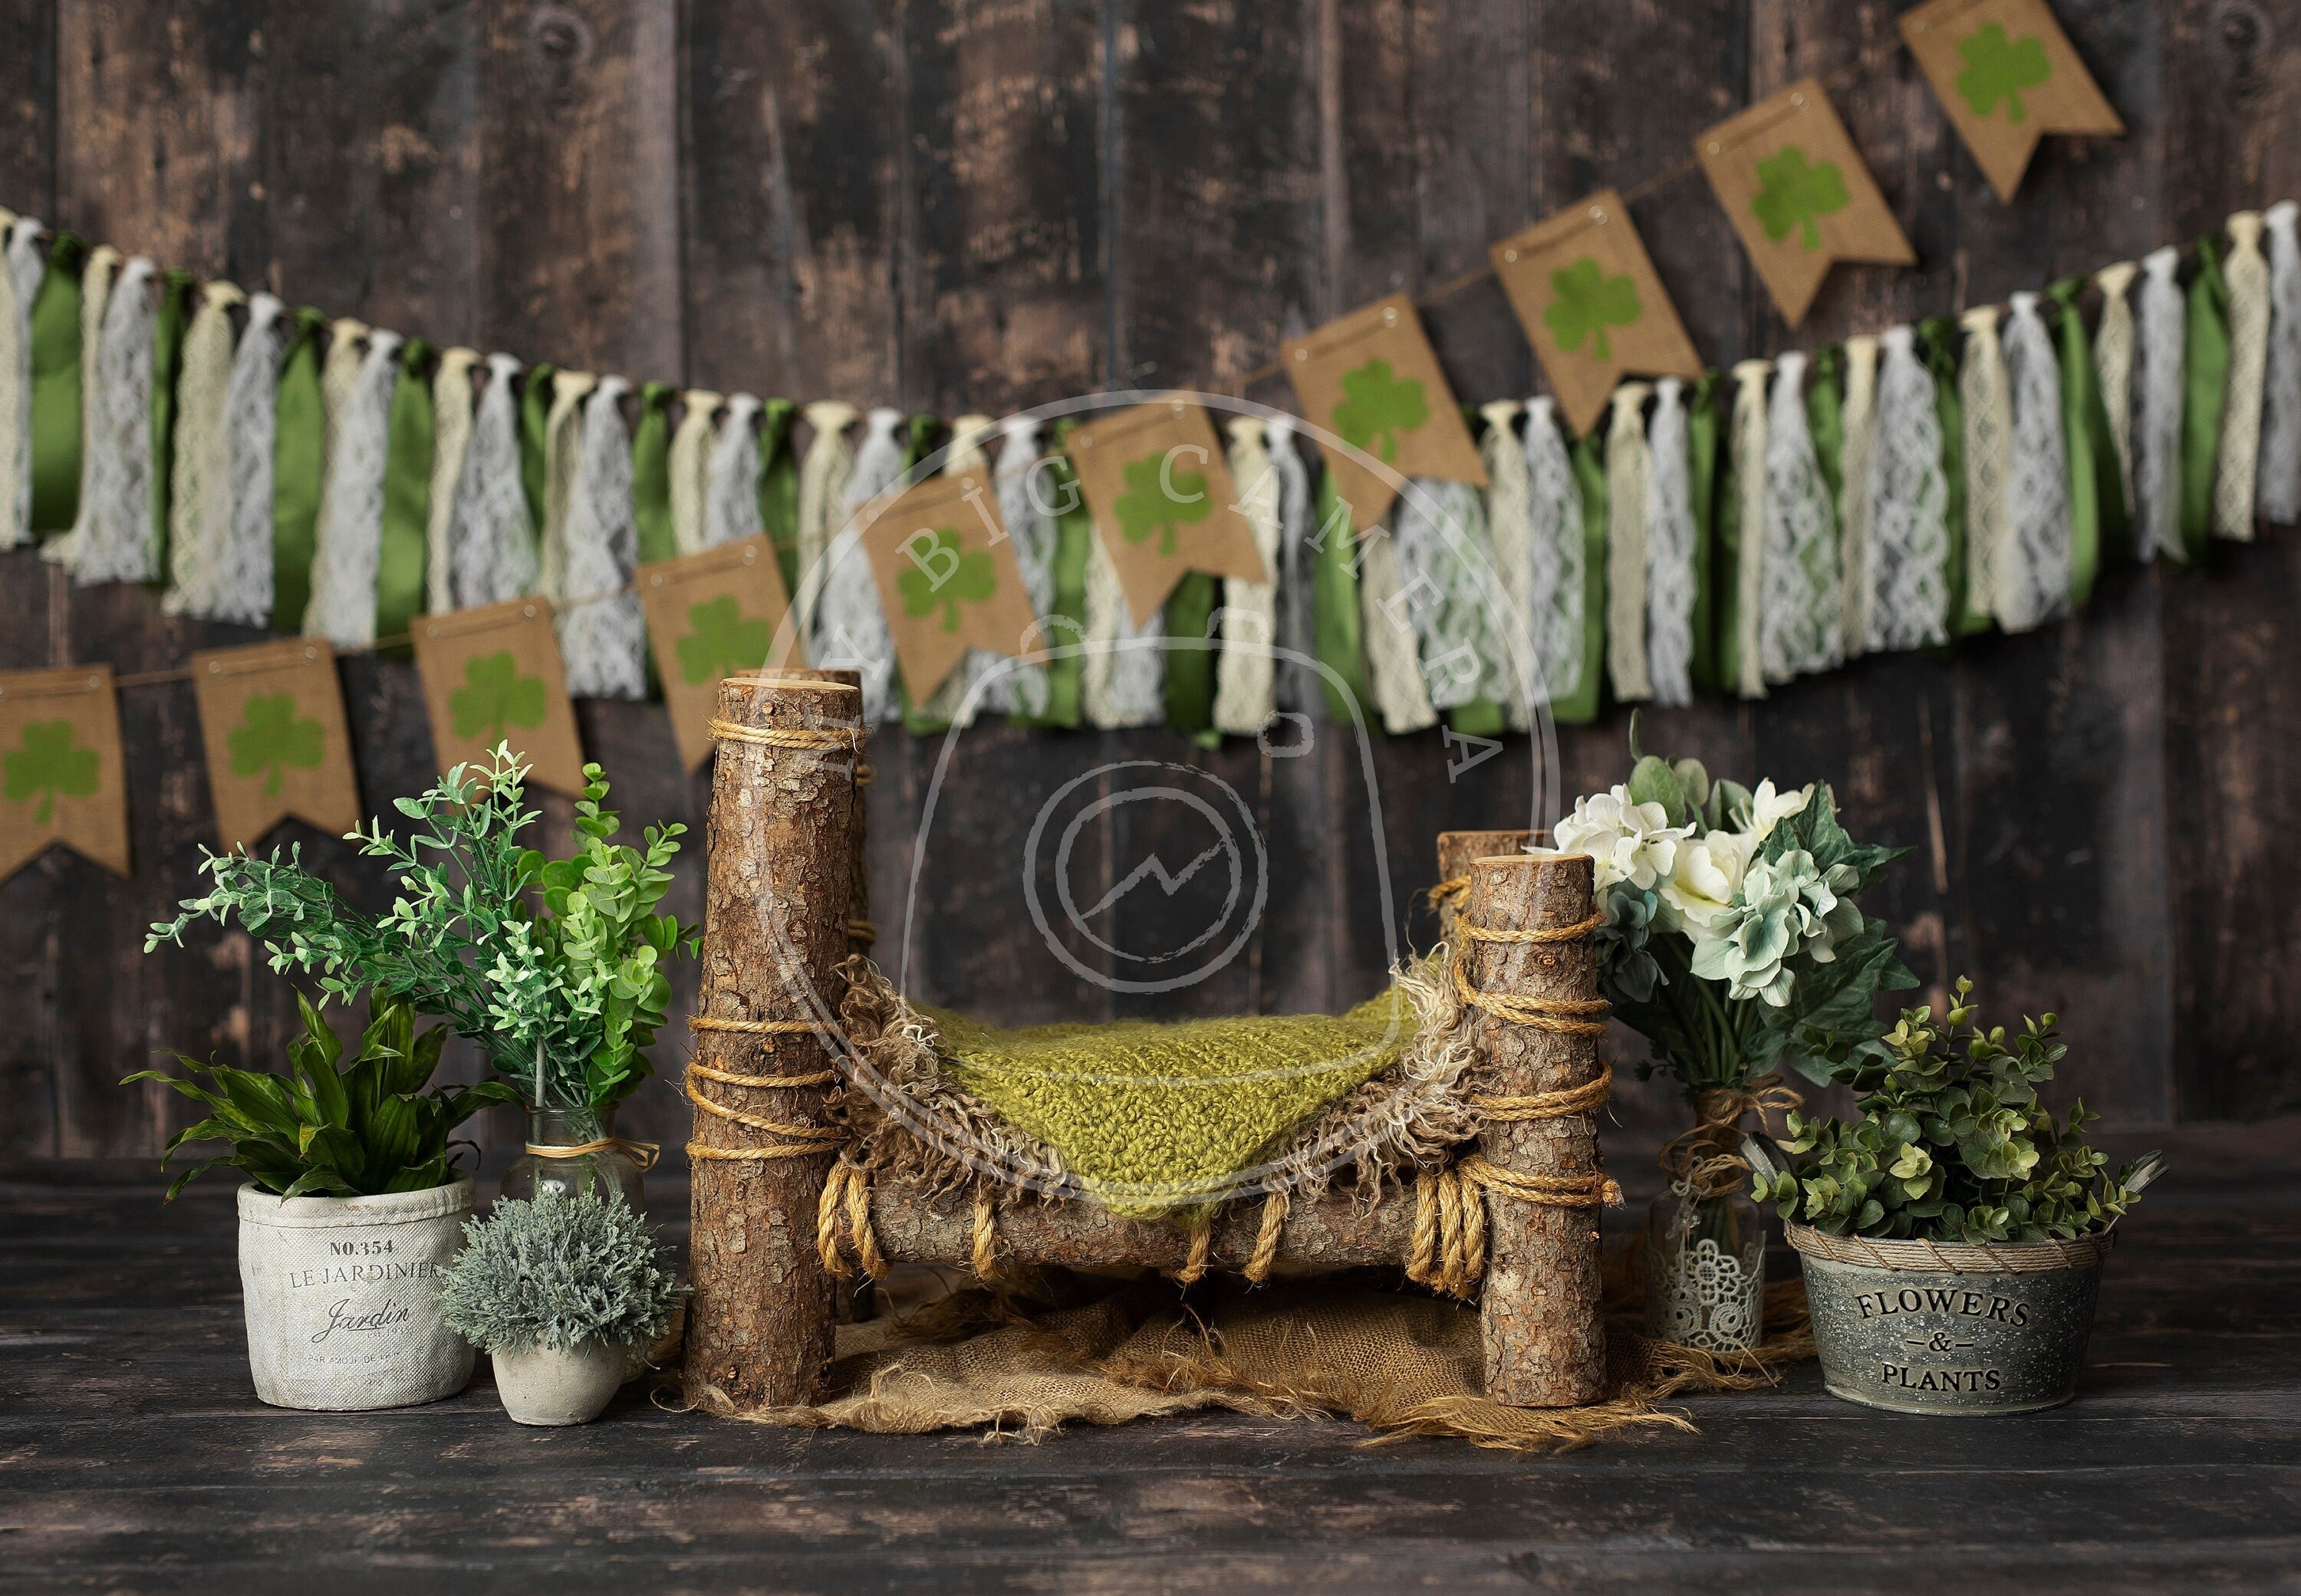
point(1704, 1260)
point(573, 1151)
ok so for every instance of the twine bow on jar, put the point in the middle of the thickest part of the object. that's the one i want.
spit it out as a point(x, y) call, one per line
point(1704, 1158)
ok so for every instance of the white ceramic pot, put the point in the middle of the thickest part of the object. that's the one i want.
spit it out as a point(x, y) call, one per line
point(342, 1294)
point(540, 1386)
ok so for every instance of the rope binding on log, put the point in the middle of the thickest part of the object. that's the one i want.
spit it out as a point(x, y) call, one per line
point(849, 737)
point(803, 1140)
point(1560, 1016)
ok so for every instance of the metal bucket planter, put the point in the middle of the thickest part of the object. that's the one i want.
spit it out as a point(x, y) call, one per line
point(1950, 1327)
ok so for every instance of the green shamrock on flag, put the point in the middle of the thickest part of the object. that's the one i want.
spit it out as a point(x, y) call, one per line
point(1150, 506)
point(1378, 404)
point(1793, 194)
point(1589, 302)
point(48, 764)
point(270, 736)
point(495, 694)
point(941, 574)
point(1998, 68)
point(722, 641)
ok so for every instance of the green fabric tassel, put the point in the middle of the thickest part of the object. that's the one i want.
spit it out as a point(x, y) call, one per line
point(1191, 671)
point(651, 474)
point(175, 318)
point(1701, 422)
point(407, 494)
point(1335, 628)
point(1825, 419)
point(779, 487)
point(534, 423)
point(299, 441)
point(1725, 636)
point(1065, 622)
point(56, 388)
point(2205, 381)
point(1580, 707)
point(1939, 339)
point(2097, 518)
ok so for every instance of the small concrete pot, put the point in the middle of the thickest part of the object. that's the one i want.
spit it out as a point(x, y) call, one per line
point(1950, 1327)
point(545, 1386)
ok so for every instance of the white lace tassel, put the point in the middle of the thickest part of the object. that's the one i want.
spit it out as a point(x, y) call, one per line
point(241, 580)
point(95, 294)
point(1446, 577)
point(1120, 683)
point(851, 628)
point(492, 554)
point(731, 495)
point(2112, 365)
point(690, 466)
point(2278, 476)
point(1908, 497)
point(1300, 688)
point(1386, 623)
point(1510, 531)
point(1800, 611)
point(1749, 425)
point(2157, 432)
point(358, 390)
point(1555, 577)
point(1024, 510)
point(26, 267)
point(823, 476)
point(1987, 406)
point(112, 540)
point(451, 447)
point(562, 448)
point(1628, 467)
point(603, 638)
point(2238, 449)
point(1246, 673)
point(1859, 419)
point(2033, 567)
point(1671, 578)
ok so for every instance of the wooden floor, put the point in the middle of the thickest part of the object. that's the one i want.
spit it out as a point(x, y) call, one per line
point(133, 1457)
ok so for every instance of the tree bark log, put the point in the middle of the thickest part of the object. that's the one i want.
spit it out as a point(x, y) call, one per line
point(860, 932)
point(1546, 1342)
point(777, 895)
point(1456, 850)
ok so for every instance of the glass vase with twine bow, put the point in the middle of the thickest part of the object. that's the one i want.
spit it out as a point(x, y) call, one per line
point(574, 1150)
point(1703, 1251)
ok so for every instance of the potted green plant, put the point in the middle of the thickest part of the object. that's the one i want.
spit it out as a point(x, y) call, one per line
point(351, 1206)
point(555, 967)
point(1733, 944)
point(563, 1292)
point(1952, 1235)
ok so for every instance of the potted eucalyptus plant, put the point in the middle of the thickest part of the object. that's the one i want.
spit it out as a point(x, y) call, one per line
point(555, 967)
point(352, 1206)
point(1953, 1234)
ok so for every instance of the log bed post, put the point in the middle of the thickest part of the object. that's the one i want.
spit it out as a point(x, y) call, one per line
point(777, 899)
point(860, 932)
point(1456, 849)
point(1546, 1342)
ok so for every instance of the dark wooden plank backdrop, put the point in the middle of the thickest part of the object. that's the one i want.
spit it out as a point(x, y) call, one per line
point(950, 206)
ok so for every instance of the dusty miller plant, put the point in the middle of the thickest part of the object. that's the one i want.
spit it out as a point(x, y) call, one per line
point(557, 1272)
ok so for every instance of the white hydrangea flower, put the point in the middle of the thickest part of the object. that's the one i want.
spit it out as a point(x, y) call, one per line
point(1767, 807)
point(1704, 876)
point(1631, 842)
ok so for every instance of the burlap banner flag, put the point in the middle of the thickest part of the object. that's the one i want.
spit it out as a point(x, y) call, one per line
point(1798, 193)
point(60, 776)
point(272, 718)
point(493, 675)
point(710, 615)
point(1592, 307)
point(948, 579)
point(2007, 75)
point(1372, 379)
point(1160, 489)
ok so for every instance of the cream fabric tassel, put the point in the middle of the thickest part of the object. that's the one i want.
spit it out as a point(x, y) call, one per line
point(1119, 685)
point(1987, 405)
point(112, 540)
point(2239, 445)
point(492, 554)
point(1393, 661)
point(2112, 364)
point(823, 474)
point(1245, 671)
point(357, 389)
point(563, 448)
point(451, 443)
point(1749, 446)
point(1908, 506)
point(95, 294)
point(954, 700)
point(602, 639)
point(2157, 438)
point(1300, 688)
point(1800, 611)
point(1555, 544)
point(2033, 565)
point(690, 466)
point(199, 513)
point(1510, 531)
point(1628, 468)
point(26, 268)
point(1672, 583)
point(1860, 418)
point(851, 628)
point(2280, 479)
point(731, 489)
point(238, 516)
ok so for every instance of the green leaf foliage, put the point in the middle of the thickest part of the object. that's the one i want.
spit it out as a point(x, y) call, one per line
point(329, 1129)
point(1999, 68)
point(1377, 405)
point(270, 736)
point(1588, 302)
point(722, 641)
point(494, 698)
point(1794, 193)
point(945, 576)
point(1951, 1143)
point(48, 764)
point(557, 1272)
point(1161, 500)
